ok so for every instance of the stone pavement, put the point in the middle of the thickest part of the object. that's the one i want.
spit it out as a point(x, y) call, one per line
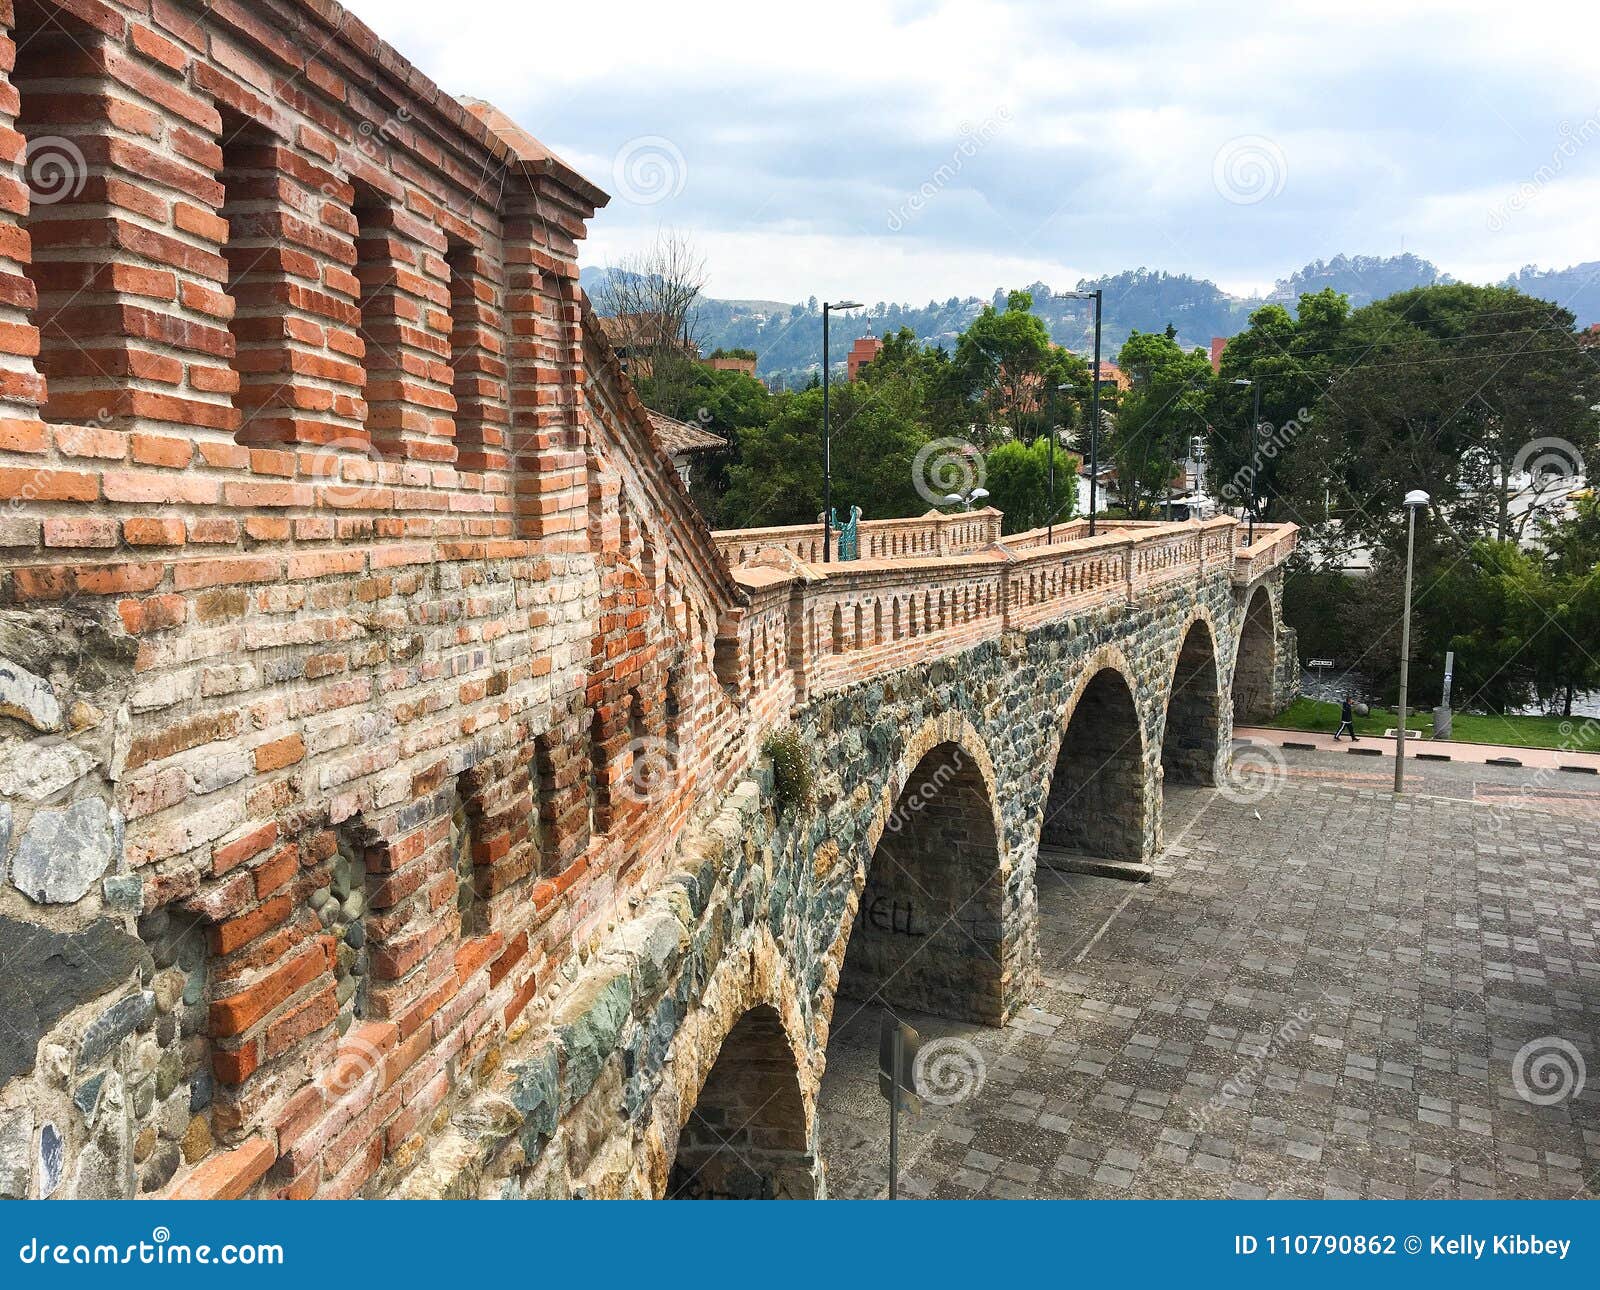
point(1567, 761)
point(1322, 993)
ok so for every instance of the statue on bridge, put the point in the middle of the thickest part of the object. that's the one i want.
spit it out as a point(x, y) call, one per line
point(848, 546)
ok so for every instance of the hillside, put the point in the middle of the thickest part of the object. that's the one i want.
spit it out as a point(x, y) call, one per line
point(788, 337)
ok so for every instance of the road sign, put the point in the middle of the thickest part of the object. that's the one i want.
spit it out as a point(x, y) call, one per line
point(1319, 662)
point(897, 1055)
point(891, 1031)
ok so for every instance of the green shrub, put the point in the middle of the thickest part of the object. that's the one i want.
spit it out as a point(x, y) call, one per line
point(794, 782)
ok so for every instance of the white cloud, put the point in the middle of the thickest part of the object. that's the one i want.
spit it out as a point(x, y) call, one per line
point(800, 131)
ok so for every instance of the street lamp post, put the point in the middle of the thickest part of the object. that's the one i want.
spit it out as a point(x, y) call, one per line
point(1050, 517)
point(827, 439)
point(1098, 296)
point(1255, 454)
point(1416, 499)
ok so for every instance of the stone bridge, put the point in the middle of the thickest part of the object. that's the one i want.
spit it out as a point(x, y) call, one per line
point(401, 791)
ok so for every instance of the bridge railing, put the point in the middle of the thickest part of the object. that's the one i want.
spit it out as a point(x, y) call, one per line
point(1273, 545)
point(812, 627)
point(929, 535)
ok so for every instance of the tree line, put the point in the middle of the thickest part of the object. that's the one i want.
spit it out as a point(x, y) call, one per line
point(1485, 397)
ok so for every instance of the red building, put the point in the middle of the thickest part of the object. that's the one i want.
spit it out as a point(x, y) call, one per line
point(863, 352)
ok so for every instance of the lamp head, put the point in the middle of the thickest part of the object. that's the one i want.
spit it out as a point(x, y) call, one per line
point(1240, 380)
point(978, 494)
point(844, 304)
point(952, 499)
point(1416, 497)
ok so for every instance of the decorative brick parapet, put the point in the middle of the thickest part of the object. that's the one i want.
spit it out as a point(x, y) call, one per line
point(814, 627)
point(924, 537)
point(1274, 544)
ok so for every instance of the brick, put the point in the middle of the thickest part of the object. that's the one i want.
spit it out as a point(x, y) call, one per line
point(228, 1176)
point(238, 1012)
point(280, 753)
point(253, 841)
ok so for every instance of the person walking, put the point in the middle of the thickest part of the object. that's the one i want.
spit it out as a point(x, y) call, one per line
point(1347, 721)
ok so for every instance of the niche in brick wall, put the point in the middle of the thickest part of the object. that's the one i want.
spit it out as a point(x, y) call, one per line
point(471, 898)
point(170, 1083)
point(68, 211)
point(341, 907)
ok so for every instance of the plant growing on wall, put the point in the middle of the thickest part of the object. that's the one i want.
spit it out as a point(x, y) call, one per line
point(794, 781)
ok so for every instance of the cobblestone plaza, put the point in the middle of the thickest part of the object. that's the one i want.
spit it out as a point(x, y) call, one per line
point(1323, 993)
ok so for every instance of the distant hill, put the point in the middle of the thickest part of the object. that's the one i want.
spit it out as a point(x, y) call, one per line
point(1577, 288)
point(788, 337)
point(1364, 278)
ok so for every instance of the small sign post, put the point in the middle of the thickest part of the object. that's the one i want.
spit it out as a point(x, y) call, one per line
point(897, 1054)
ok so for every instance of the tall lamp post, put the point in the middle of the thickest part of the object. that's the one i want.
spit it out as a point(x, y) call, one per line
point(1050, 518)
point(1099, 299)
point(1416, 499)
point(1255, 454)
point(827, 439)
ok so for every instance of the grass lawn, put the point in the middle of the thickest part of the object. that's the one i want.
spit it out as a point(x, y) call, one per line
point(1468, 727)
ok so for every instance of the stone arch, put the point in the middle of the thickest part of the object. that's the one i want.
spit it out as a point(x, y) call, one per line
point(748, 1016)
point(746, 1138)
point(1256, 660)
point(926, 931)
point(1192, 734)
point(1097, 803)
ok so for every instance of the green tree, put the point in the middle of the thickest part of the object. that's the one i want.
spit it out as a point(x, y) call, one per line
point(1293, 358)
point(876, 431)
point(1165, 405)
point(1004, 363)
point(1450, 389)
point(1017, 476)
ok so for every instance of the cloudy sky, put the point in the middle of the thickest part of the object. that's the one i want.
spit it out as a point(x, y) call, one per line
point(901, 151)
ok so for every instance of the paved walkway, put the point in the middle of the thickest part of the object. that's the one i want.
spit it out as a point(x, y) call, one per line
point(1428, 749)
point(1322, 993)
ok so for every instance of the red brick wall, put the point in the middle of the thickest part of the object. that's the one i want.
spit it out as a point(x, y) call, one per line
point(312, 423)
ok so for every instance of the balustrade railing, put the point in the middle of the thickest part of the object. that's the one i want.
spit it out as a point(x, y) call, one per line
point(829, 626)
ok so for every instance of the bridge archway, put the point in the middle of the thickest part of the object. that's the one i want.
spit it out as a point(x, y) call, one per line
point(746, 1137)
point(1191, 738)
point(927, 931)
point(1256, 661)
point(1096, 804)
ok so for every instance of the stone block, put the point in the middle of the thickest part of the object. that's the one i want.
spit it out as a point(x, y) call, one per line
point(62, 853)
point(50, 973)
